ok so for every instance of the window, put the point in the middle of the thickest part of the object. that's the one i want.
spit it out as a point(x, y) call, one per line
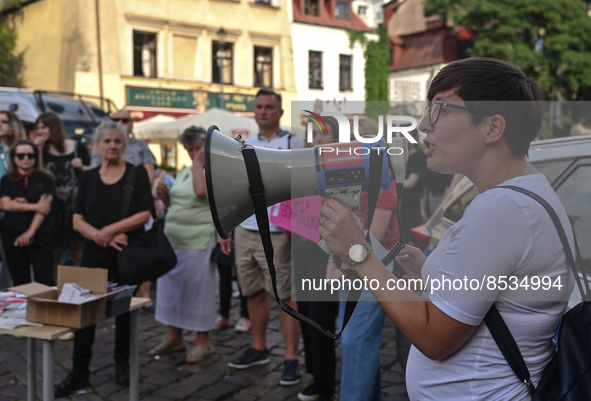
point(221, 62)
point(315, 70)
point(362, 11)
point(263, 67)
point(312, 7)
point(344, 72)
point(144, 54)
point(342, 10)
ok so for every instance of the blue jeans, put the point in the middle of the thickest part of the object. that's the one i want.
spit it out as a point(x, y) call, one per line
point(360, 346)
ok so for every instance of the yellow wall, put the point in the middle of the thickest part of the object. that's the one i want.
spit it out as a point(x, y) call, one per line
point(60, 44)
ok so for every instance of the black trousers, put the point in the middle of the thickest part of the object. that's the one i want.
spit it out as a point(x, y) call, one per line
point(19, 259)
point(84, 339)
point(309, 262)
point(225, 272)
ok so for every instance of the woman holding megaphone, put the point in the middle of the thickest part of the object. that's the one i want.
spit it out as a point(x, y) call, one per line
point(502, 234)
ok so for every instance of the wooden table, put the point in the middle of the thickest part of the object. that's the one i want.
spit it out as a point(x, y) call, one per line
point(48, 334)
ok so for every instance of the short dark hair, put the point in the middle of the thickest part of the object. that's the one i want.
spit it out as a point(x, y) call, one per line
point(192, 135)
point(496, 87)
point(270, 92)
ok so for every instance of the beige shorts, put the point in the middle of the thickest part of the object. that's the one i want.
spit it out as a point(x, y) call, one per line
point(251, 265)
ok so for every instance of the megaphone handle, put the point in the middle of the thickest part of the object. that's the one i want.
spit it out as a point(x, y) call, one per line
point(322, 242)
point(257, 193)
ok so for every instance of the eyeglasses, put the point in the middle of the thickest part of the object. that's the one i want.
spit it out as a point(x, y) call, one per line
point(434, 110)
point(21, 156)
point(122, 120)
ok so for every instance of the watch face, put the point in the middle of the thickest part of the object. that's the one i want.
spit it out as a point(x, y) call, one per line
point(358, 253)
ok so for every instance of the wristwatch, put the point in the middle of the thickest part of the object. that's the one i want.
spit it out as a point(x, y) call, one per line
point(357, 254)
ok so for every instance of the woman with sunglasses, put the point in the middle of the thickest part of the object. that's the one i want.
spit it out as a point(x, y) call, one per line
point(66, 159)
point(11, 129)
point(26, 192)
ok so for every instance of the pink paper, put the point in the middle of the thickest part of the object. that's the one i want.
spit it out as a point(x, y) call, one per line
point(300, 216)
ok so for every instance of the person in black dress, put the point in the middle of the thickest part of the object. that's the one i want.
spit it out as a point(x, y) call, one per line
point(97, 216)
point(66, 159)
point(26, 192)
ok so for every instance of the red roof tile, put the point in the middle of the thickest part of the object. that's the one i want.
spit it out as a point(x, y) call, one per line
point(430, 47)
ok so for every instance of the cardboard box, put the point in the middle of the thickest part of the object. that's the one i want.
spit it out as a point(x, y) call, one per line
point(43, 307)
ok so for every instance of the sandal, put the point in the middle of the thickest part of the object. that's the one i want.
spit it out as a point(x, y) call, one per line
point(166, 347)
point(198, 353)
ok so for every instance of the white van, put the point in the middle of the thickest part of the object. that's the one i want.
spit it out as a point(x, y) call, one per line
point(79, 113)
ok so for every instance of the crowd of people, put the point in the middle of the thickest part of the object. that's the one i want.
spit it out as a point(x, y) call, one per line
point(56, 195)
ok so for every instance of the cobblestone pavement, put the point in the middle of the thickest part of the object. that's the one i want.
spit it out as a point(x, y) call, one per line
point(169, 378)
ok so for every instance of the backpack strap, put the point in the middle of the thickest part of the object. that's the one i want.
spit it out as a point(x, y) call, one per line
point(493, 319)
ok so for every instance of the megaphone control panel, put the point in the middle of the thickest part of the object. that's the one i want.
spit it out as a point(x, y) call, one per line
point(346, 176)
point(342, 170)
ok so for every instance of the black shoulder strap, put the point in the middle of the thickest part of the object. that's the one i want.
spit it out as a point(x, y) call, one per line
point(493, 319)
point(257, 193)
point(127, 191)
point(569, 255)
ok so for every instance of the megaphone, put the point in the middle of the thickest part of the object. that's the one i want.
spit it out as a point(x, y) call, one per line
point(286, 174)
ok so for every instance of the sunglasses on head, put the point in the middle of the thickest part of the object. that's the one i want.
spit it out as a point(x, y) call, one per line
point(122, 120)
point(21, 156)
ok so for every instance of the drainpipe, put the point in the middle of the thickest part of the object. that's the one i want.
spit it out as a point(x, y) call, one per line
point(98, 51)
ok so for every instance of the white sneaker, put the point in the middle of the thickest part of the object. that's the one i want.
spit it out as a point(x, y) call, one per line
point(235, 289)
point(243, 325)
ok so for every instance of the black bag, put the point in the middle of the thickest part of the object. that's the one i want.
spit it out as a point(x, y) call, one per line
point(221, 258)
point(568, 375)
point(147, 256)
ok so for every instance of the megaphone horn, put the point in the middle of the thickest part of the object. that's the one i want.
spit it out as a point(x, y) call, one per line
point(286, 174)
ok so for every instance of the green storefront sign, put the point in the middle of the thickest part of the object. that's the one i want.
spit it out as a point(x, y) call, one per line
point(186, 99)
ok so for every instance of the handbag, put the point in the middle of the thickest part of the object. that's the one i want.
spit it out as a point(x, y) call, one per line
point(147, 256)
point(568, 375)
point(217, 256)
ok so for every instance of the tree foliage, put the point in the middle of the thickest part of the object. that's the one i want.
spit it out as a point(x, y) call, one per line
point(377, 57)
point(548, 39)
point(11, 63)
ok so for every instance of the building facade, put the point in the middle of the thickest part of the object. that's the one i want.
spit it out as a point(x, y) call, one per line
point(172, 57)
point(329, 72)
point(369, 11)
point(159, 56)
point(420, 46)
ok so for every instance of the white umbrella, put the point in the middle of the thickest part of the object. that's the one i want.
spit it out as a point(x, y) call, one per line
point(228, 123)
point(141, 128)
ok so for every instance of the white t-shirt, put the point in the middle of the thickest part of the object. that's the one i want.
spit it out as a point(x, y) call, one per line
point(281, 140)
point(502, 233)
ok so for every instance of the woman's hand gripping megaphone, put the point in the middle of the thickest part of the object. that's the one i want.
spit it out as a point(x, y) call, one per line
point(397, 163)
